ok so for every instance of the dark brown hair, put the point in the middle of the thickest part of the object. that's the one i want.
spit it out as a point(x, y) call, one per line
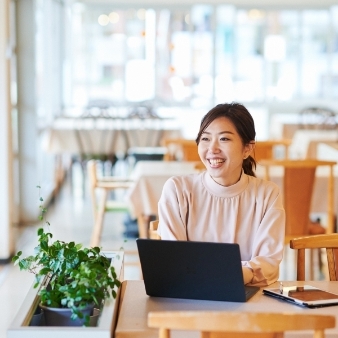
point(243, 122)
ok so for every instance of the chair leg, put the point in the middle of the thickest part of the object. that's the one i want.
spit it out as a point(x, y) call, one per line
point(311, 264)
point(143, 226)
point(96, 234)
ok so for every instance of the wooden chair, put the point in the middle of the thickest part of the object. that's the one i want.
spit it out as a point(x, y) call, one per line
point(264, 150)
point(297, 187)
point(181, 149)
point(105, 184)
point(329, 242)
point(298, 183)
point(222, 324)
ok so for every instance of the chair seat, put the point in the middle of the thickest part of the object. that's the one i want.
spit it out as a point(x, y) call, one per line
point(315, 228)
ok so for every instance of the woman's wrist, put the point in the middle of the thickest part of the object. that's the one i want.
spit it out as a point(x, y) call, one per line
point(247, 274)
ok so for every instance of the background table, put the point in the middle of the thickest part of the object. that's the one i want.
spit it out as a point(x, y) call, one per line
point(135, 306)
point(149, 178)
point(106, 136)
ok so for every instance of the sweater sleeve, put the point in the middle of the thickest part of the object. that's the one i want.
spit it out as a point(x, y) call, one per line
point(268, 245)
point(171, 213)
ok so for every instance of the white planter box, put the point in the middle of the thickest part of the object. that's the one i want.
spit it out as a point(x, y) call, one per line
point(20, 326)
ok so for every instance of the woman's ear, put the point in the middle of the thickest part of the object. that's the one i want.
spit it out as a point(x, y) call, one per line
point(249, 149)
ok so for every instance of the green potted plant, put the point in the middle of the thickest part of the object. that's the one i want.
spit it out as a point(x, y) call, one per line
point(72, 279)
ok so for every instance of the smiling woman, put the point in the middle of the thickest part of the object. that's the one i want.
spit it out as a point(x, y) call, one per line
point(227, 203)
point(222, 149)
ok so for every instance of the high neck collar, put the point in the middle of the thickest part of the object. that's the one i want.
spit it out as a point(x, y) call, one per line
point(223, 191)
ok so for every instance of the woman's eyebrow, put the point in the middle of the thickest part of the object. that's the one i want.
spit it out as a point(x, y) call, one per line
point(220, 133)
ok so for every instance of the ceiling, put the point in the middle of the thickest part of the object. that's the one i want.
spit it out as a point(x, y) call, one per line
point(240, 3)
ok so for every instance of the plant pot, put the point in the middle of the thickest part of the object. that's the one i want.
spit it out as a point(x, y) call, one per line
point(94, 317)
point(62, 316)
point(37, 318)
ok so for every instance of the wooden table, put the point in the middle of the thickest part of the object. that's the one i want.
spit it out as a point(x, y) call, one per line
point(135, 306)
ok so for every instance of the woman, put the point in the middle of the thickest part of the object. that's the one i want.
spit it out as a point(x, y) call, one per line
point(227, 203)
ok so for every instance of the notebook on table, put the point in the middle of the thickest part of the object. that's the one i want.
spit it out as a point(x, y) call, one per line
point(307, 295)
point(193, 270)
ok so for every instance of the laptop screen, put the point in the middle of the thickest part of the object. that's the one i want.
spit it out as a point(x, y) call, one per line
point(193, 270)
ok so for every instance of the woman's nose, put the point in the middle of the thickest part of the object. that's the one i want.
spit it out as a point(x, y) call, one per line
point(214, 147)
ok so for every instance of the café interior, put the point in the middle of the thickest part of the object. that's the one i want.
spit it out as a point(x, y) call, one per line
point(101, 102)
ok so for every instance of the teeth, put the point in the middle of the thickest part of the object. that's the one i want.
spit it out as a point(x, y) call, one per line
point(215, 161)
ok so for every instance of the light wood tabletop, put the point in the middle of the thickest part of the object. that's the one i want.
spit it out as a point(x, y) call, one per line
point(135, 306)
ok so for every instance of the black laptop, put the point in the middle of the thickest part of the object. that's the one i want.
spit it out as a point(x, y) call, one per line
point(193, 270)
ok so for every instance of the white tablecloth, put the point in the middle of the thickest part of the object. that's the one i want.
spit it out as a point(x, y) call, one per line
point(149, 177)
point(106, 136)
point(304, 142)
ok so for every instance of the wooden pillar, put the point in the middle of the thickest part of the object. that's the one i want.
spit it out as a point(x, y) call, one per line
point(6, 152)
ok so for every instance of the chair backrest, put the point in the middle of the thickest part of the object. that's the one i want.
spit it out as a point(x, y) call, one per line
point(298, 183)
point(185, 149)
point(223, 324)
point(329, 242)
point(153, 230)
point(265, 150)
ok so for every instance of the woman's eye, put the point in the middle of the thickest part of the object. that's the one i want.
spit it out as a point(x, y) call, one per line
point(224, 139)
point(204, 139)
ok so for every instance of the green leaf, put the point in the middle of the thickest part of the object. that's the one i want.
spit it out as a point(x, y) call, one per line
point(44, 271)
point(23, 264)
point(40, 231)
point(97, 249)
point(44, 245)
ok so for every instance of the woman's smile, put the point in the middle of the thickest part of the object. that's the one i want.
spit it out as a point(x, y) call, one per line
point(216, 162)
